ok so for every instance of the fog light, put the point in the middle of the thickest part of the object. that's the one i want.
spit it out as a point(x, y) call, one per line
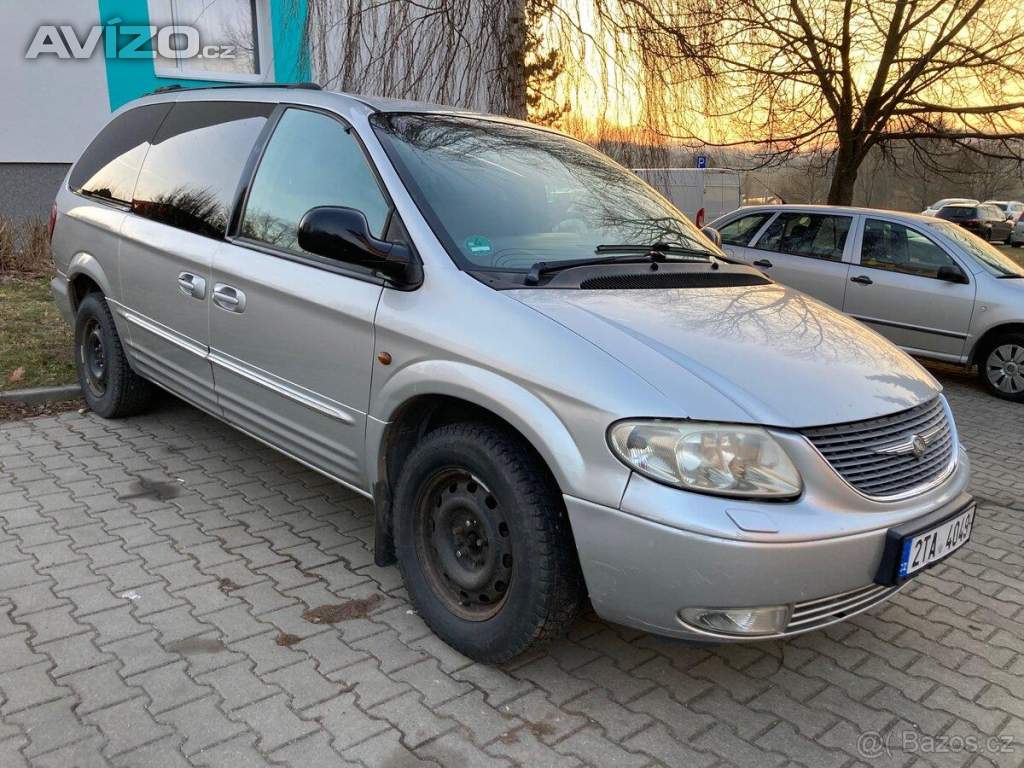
point(769, 620)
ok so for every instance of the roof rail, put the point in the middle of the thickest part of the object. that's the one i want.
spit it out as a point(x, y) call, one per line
point(179, 87)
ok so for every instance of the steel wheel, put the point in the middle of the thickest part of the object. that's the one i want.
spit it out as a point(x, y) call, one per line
point(464, 542)
point(93, 356)
point(1005, 368)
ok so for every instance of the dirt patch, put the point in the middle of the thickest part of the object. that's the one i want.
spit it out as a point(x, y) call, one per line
point(196, 645)
point(161, 490)
point(226, 585)
point(15, 411)
point(286, 640)
point(351, 609)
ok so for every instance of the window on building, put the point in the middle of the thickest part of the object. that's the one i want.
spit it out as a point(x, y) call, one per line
point(232, 37)
point(196, 161)
point(311, 160)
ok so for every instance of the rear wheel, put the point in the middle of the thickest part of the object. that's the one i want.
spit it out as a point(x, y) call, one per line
point(483, 542)
point(1001, 367)
point(110, 387)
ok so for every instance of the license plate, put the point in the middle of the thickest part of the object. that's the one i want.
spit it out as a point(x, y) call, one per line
point(926, 547)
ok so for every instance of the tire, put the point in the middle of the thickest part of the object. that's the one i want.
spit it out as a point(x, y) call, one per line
point(1001, 367)
point(110, 387)
point(509, 580)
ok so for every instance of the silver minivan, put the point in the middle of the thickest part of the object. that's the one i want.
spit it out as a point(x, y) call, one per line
point(548, 383)
point(924, 283)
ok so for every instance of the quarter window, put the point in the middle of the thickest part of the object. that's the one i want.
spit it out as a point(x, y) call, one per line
point(193, 169)
point(739, 231)
point(892, 246)
point(807, 234)
point(109, 168)
point(311, 160)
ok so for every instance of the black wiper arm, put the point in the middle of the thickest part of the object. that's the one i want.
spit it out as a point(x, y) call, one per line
point(546, 267)
point(660, 247)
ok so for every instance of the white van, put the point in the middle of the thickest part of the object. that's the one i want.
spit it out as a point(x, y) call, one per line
point(703, 194)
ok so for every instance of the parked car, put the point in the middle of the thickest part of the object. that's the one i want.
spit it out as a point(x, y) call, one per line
point(985, 221)
point(544, 378)
point(1017, 233)
point(1011, 208)
point(924, 283)
point(934, 208)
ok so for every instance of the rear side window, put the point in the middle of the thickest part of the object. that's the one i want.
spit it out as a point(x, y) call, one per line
point(807, 234)
point(192, 170)
point(109, 168)
point(311, 160)
point(740, 231)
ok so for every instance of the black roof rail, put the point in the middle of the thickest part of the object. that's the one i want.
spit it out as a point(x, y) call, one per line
point(179, 87)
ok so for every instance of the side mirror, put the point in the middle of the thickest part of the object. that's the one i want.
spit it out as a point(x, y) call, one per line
point(343, 234)
point(713, 235)
point(952, 274)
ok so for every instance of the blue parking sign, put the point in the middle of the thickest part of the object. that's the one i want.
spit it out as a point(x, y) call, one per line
point(702, 161)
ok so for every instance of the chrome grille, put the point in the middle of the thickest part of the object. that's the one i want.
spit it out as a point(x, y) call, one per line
point(875, 457)
point(828, 610)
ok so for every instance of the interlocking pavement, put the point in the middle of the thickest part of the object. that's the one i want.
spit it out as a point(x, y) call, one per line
point(157, 574)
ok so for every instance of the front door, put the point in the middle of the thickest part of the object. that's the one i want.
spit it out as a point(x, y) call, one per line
point(291, 334)
point(897, 291)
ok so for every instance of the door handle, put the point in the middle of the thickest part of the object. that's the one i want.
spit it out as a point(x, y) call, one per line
point(192, 285)
point(862, 279)
point(228, 297)
point(763, 263)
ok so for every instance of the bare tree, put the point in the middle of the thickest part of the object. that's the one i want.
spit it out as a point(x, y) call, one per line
point(841, 77)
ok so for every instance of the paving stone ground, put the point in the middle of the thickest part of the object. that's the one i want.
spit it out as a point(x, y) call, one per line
point(154, 573)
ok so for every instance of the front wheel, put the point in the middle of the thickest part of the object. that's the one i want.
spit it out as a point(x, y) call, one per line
point(484, 544)
point(1001, 367)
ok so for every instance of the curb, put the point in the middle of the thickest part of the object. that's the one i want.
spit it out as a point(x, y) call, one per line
point(41, 394)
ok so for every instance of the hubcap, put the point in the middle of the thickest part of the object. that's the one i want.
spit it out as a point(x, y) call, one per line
point(1005, 368)
point(93, 358)
point(464, 544)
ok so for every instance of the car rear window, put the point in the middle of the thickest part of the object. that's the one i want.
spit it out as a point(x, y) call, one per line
point(958, 212)
point(192, 170)
point(109, 167)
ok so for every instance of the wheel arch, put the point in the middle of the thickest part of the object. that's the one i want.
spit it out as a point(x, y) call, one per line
point(85, 275)
point(989, 336)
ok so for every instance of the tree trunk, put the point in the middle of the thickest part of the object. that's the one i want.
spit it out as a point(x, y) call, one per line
point(844, 175)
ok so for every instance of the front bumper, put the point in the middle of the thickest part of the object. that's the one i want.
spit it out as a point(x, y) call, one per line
point(666, 549)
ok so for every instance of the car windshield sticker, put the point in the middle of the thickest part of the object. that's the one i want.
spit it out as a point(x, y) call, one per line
point(477, 244)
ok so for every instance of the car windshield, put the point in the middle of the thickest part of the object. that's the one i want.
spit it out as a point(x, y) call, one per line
point(990, 257)
point(503, 196)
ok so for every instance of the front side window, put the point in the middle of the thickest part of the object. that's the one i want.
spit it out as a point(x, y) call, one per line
point(892, 246)
point(739, 231)
point(232, 26)
point(193, 169)
point(807, 234)
point(109, 168)
point(311, 160)
point(502, 197)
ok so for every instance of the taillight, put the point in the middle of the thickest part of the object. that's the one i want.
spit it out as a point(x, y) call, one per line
point(53, 221)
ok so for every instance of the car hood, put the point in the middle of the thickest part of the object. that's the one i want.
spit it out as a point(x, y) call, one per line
point(764, 354)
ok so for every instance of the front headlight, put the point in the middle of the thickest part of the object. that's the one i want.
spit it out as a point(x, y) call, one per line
point(725, 459)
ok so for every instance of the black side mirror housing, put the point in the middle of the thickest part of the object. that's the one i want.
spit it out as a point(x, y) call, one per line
point(952, 274)
point(713, 235)
point(343, 234)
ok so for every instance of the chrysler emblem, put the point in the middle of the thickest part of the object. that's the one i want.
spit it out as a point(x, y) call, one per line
point(916, 444)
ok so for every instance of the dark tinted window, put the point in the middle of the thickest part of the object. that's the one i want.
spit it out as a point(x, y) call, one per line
point(957, 212)
point(196, 161)
point(892, 246)
point(311, 160)
point(807, 234)
point(110, 166)
point(740, 231)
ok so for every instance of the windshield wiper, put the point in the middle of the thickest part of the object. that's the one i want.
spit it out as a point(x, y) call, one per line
point(660, 247)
